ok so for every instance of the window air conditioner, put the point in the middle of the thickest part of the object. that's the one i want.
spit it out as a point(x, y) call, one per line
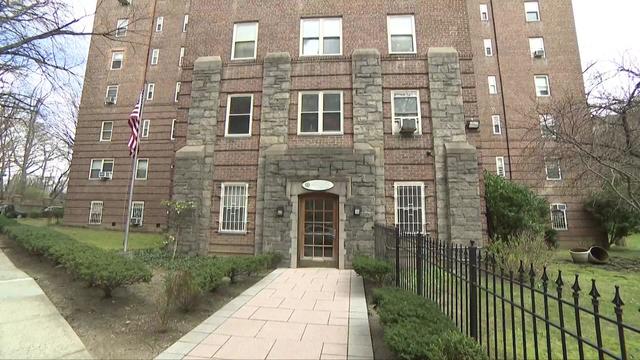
point(105, 175)
point(408, 126)
point(110, 100)
point(136, 221)
point(538, 54)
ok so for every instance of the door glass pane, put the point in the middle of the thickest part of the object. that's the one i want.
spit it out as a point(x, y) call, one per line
point(319, 229)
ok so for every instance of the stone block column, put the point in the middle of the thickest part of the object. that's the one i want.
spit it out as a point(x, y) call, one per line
point(193, 176)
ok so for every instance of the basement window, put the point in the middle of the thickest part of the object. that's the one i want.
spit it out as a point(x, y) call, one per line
point(233, 207)
point(95, 212)
point(409, 207)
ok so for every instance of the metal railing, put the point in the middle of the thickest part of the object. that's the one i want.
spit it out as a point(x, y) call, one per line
point(513, 314)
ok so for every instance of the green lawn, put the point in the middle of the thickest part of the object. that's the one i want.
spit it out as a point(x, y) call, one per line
point(105, 239)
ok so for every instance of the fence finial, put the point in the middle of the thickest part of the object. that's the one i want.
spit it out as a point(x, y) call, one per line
point(594, 291)
point(617, 299)
point(576, 286)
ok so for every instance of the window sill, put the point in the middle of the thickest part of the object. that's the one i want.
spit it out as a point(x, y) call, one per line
point(229, 232)
point(245, 136)
point(321, 134)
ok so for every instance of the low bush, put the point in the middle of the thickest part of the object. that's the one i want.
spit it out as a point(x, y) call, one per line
point(530, 248)
point(415, 328)
point(372, 269)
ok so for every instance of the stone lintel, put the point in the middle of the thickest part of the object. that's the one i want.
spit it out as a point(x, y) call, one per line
point(205, 63)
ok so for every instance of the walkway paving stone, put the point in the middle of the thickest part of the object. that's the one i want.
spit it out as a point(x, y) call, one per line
point(290, 314)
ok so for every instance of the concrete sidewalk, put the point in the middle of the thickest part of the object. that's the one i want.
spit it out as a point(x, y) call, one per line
point(30, 326)
point(290, 314)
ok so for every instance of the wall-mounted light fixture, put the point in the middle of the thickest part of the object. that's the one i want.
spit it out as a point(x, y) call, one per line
point(280, 211)
point(357, 210)
point(473, 124)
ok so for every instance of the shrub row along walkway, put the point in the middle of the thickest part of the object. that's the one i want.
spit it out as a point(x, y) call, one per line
point(290, 314)
point(30, 326)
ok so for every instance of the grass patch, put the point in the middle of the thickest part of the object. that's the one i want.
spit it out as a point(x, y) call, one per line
point(102, 238)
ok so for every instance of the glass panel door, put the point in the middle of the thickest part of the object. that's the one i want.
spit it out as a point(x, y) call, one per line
point(318, 228)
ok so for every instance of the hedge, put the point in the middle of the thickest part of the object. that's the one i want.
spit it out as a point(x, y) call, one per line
point(415, 328)
point(104, 269)
point(372, 269)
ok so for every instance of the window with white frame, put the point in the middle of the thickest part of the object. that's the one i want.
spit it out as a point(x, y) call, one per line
point(532, 11)
point(496, 124)
point(185, 23)
point(493, 85)
point(159, 23)
point(405, 106)
point(181, 58)
point(146, 127)
point(151, 89)
point(106, 131)
point(112, 94)
point(233, 207)
point(155, 56)
point(320, 112)
point(500, 168)
point(559, 217)
point(142, 169)
point(547, 126)
point(121, 27)
point(484, 12)
point(137, 213)
point(177, 94)
point(101, 168)
point(239, 115)
point(536, 46)
point(552, 169)
point(402, 34)
point(542, 85)
point(488, 47)
point(245, 41)
point(173, 130)
point(117, 60)
point(321, 36)
point(95, 213)
point(410, 207)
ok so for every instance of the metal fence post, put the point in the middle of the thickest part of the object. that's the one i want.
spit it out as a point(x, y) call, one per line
point(419, 264)
point(397, 256)
point(473, 290)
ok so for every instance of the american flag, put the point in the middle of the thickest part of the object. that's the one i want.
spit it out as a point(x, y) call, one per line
point(134, 124)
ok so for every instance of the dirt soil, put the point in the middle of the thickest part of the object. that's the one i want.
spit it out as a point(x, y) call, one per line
point(380, 349)
point(125, 326)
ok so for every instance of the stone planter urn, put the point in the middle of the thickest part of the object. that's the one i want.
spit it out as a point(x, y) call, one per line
point(579, 255)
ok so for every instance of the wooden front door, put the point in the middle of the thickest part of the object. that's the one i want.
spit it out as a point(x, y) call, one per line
point(318, 230)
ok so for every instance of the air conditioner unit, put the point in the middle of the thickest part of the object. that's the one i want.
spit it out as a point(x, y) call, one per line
point(408, 126)
point(538, 54)
point(136, 221)
point(105, 175)
point(559, 207)
point(110, 100)
point(125, 2)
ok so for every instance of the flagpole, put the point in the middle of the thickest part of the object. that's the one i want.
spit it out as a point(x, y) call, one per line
point(133, 171)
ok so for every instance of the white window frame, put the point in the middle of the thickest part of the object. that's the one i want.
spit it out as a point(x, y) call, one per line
point(320, 36)
point(556, 162)
point(151, 90)
point(113, 59)
point(396, 129)
point(117, 87)
point(122, 27)
point(102, 162)
point(420, 184)
point(484, 12)
point(321, 112)
point(102, 131)
point(155, 56)
point(185, 23)
point(98, 214)
point(533, 42)
point(181, 58)
point(496, 125)
point(159, 24)
point(492, 82)
point(226, 124)
point(223, 194)
point(538, 89)
point(146, 173)
point(534, 7)
point(501, 168)
point(178, 87)
point(173, 130)
point(562, 208)
point(233, 44)
point(140, 205)
point(145, 129)
point(413, 34)
point(488, 47)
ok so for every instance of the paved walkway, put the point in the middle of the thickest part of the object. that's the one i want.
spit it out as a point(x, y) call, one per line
point(290, 314)
point(30, 326)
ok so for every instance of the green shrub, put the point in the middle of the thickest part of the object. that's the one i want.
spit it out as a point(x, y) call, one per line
point(614, 215)
point(181, 290)
point(372, 269)
point(456, 346)
point(35, 214)
point(529, 248)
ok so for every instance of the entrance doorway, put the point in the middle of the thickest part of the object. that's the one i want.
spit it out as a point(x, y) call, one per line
point(318, 230)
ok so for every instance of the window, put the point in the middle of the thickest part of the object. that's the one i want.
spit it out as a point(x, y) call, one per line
point(95, 213)
point(137, 213)
point(185, 23)
point(101, 168)
point(405, 107)
point(155, 56)
point(239, 115)
point(112, 94)
point(409, 207)
point(542, 85)
point(159, 23)
point(548, 126)
point(320, 112)
point(121, 27)
point(181, 59)
point(151, 88)
point(142, 168)
point(484, 12)
point(402, 34)
point(532, 11)
point(321, 36)
point(493, 85)
point(496, 124)
point(146, 125)
point(559, 217)
point(500, 169)
point(245, 41)
point(117, 58)
point(173, 130)
point(552, 168)
point(536, 45)
point(233, 207)
point(106, 131)
point(488, 47)
point(177, 95)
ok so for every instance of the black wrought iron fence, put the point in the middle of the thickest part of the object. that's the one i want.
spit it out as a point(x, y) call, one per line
point(513, 314)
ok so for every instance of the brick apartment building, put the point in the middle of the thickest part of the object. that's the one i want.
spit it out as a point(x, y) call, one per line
point(296, 125)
